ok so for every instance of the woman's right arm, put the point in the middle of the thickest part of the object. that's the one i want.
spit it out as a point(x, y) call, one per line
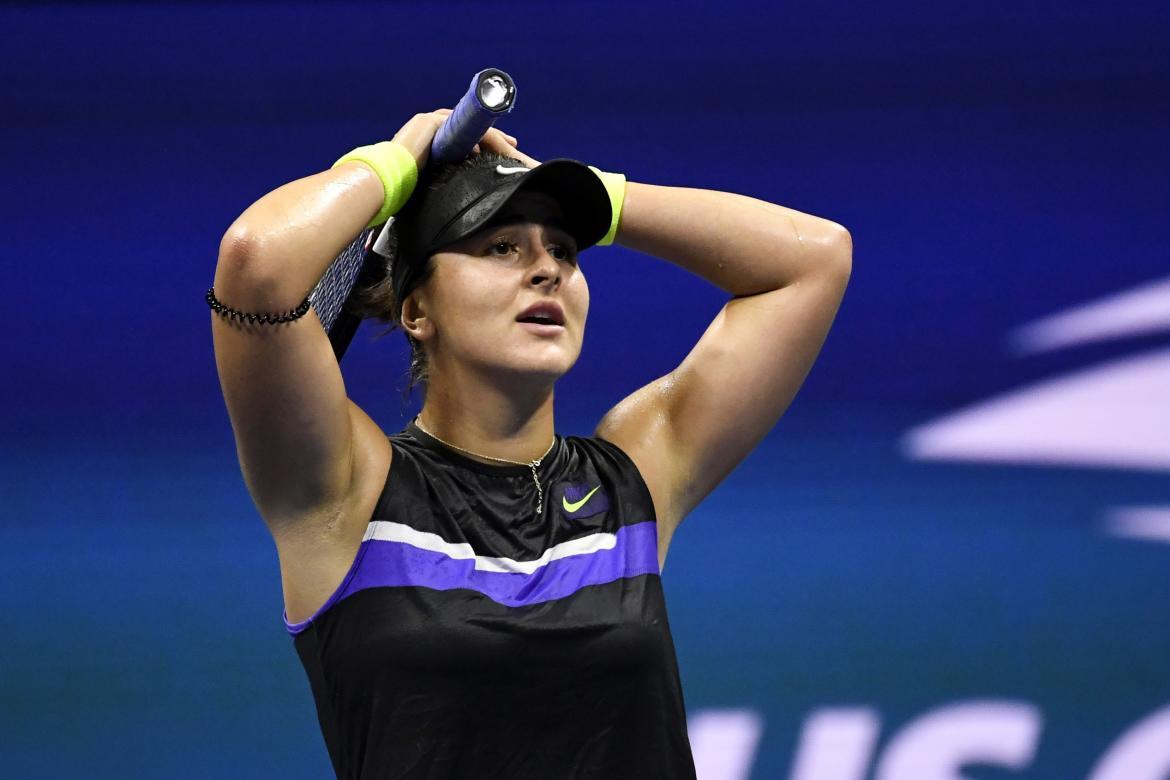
point(299, 439)
point(294, 426)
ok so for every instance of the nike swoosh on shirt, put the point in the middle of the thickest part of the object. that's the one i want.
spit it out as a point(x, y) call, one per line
point(575, 505)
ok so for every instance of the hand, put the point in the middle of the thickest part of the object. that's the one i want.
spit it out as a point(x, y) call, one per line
point(502, 143)
point(516, 154)
point(418, 134)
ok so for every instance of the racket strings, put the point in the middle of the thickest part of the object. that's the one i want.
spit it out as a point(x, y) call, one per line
point(333, 290)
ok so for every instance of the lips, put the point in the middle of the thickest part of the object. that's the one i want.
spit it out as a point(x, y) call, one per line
point(543, 313)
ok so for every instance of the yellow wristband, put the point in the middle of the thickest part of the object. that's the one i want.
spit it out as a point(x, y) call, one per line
point(395, 167)
point(615, 185)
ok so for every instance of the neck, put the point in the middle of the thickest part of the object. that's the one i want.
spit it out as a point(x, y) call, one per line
point(490, 416)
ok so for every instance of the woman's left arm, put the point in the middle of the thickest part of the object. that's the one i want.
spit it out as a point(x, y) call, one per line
point(786, 272)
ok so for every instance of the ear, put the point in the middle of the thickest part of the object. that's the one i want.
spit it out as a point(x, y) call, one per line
point(414, 317)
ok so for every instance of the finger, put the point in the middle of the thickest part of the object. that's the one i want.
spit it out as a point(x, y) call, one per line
point(528, 161)
point(501, 137)
point(493, 140)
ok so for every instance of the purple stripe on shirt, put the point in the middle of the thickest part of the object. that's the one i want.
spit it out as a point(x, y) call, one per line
point(387, 564)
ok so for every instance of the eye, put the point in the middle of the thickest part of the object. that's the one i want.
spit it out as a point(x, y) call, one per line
point(508, 246)
point(502, 247)
point(563, 252)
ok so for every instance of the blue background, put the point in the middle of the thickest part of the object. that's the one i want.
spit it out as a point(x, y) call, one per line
point(994, 163)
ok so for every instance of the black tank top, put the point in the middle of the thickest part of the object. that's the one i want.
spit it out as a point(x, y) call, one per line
point(472, 638)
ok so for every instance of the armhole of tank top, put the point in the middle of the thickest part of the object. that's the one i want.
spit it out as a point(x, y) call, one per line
point(294, 629)
point(647, 499)
point(387, 494)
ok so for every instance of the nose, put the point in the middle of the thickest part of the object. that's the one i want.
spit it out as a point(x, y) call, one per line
point(545, 271)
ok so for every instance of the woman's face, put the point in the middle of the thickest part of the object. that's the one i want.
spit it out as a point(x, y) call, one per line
point(483, 282)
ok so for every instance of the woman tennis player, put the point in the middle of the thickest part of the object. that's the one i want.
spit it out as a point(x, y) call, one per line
point(477, 596)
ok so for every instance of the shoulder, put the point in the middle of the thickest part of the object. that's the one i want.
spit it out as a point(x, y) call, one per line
point(636, 430)
point(612, 463)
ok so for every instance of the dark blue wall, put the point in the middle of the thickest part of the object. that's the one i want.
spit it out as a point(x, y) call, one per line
point(996, 164)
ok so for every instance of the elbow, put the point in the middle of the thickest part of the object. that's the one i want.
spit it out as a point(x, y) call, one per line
point(842, 241)
point(840, 252)
point(238, 243)
point(245, 275)
point(241, 252)
point(831, 242)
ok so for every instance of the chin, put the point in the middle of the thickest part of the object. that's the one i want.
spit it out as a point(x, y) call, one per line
point(547, 367)
point(554, 369)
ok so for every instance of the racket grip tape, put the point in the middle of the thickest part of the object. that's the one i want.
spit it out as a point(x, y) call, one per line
point(492, 94)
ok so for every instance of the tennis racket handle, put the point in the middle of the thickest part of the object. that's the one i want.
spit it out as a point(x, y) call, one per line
point(492, 94)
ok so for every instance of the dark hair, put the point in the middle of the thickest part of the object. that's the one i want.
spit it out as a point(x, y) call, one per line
point(374, 296)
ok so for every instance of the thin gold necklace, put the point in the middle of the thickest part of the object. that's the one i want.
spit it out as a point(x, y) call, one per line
point(531, 464)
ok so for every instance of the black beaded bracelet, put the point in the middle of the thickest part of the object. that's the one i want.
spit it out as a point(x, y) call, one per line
point(229, 313)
